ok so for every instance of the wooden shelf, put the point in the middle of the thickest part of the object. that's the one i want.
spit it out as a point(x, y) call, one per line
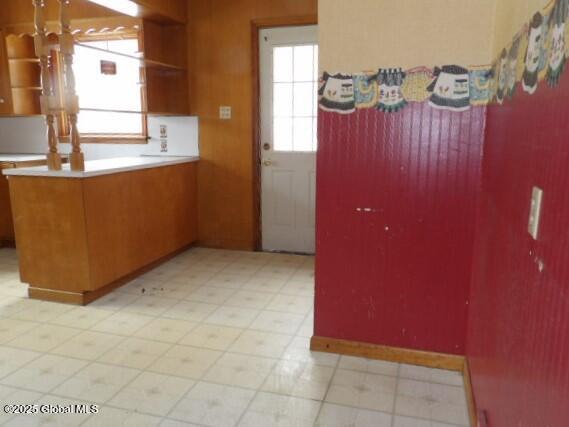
point(25, 60)
point(20, 47)
point(163, 65)
point(24, 75)
point(166, 76)
point(103, 110)
point(136, 57)
point(26, 101)
point(27, 87)
point(143, 61)
point(159, 64)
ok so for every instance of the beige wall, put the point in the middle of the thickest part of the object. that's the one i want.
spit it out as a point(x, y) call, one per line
point(511, 16)
point(366, 34)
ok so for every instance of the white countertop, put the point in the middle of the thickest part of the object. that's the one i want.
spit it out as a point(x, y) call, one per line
point(104, 167)
point(21, 157)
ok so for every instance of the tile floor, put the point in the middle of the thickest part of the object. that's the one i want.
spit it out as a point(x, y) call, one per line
point(212, 338)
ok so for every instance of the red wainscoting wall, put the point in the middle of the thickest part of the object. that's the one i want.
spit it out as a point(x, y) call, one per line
point(518, 330)
point(396, 209)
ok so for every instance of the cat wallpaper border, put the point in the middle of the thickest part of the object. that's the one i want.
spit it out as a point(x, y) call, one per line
point(538, 52)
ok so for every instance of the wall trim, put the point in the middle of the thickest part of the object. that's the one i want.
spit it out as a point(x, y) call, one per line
point(429, 359)
point(470, 400)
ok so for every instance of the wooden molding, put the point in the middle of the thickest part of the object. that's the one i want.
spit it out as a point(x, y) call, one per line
point(402, 355)
point(287, 21)
point(392, 354)
point(7, 244)
point(472, 412)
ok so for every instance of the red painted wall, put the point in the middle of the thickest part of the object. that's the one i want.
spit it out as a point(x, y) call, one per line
point(399, 274)
point(518, 333)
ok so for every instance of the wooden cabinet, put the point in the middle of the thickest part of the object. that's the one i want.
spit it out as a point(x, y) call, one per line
point(6, 225)
point(79, 238)
point(163, 63)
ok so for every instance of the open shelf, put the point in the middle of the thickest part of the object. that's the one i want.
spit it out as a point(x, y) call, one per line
point(163, 71)
point(159, 64)
point(143, 61)
point(25, 75)
point(25, 60)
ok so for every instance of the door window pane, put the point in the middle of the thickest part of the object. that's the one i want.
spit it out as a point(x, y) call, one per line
point(282, 129)
point(295, 109)
point(282, 99)
point(282, 67)
point(302, 134)
point(303, 97)
point(303, 63)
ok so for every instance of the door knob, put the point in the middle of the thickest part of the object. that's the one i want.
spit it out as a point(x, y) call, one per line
point(268, 162)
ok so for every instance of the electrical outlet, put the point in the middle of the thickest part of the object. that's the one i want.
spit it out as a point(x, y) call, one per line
point(225, 112)
point(163, 131)
point(535, 212)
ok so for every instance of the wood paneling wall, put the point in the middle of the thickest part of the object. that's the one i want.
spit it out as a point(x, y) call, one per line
point(220, 56)
point(22, 11)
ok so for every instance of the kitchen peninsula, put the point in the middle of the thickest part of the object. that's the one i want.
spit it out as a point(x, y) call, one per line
point(82, 234)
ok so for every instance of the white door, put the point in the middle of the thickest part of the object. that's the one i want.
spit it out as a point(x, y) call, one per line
point(289, 85)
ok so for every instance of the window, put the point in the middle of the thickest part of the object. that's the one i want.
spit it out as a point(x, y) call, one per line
point(108, 82)
point(295, 101)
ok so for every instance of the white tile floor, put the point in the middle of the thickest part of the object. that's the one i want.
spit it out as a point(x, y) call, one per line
point(212, 338)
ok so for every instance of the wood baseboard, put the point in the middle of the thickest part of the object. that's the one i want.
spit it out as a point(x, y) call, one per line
point(53, 295)
point(472, 411)
point(392, 354)
point(402, 355)
point(84, 298)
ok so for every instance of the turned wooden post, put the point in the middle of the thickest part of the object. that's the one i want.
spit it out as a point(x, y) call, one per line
point(67, 49)
point(48, 100)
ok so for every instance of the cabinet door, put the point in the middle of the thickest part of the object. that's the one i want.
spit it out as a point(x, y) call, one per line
point(6, 225)
point(5, 88)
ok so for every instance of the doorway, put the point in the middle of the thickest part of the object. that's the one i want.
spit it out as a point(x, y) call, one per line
point(288, 111)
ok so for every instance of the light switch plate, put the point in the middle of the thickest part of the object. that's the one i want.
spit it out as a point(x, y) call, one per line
point(535, 212)
point(225, 112)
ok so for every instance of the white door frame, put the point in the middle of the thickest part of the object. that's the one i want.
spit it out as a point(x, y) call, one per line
point(300, 35)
